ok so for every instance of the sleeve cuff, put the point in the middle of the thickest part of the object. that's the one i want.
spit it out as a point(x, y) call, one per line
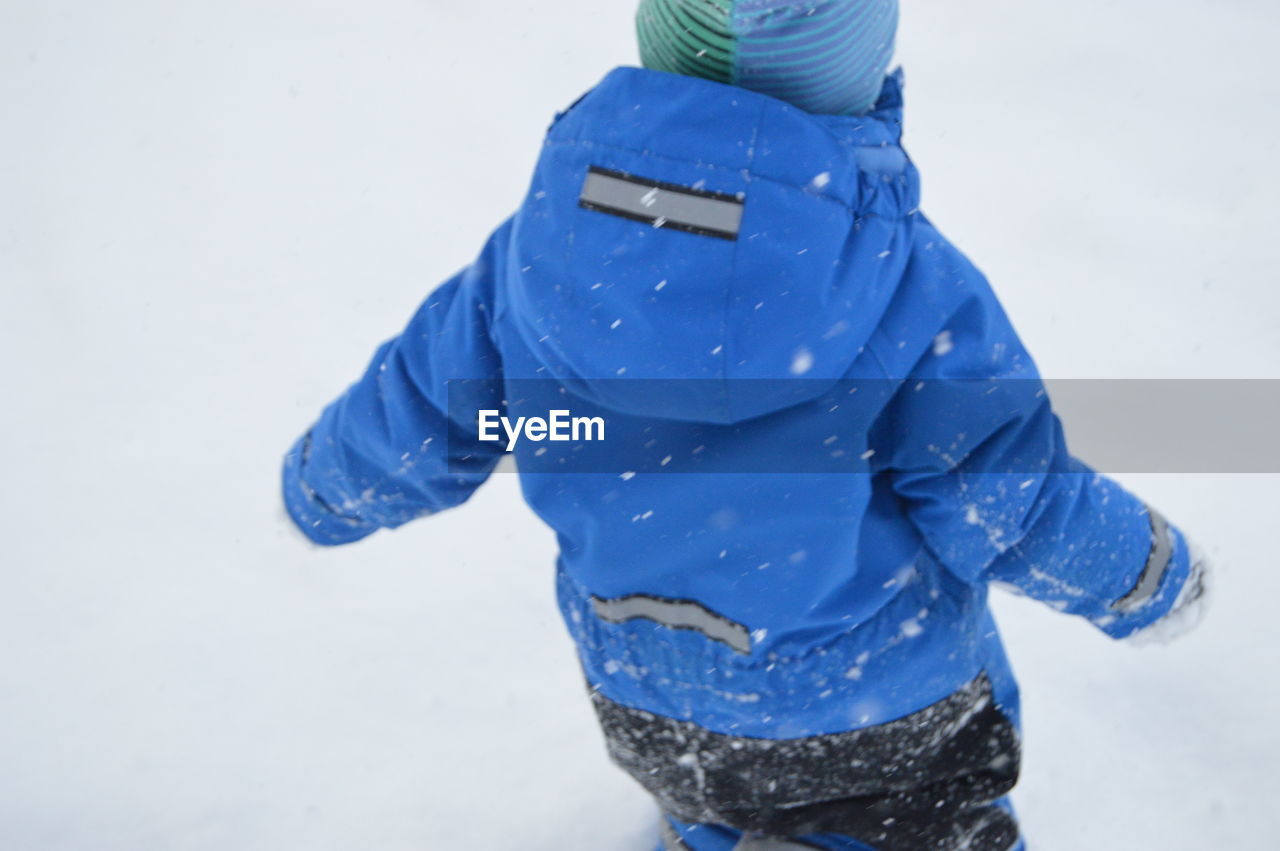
point(1156, 597)
point(1188, 609)
point(309, 512)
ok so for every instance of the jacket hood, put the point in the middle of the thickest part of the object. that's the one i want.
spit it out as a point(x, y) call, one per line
point(725, 243)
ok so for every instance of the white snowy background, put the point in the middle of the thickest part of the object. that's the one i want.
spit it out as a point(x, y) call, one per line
point(210, 214)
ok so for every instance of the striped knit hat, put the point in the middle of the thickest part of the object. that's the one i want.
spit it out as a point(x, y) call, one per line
point(824, 56)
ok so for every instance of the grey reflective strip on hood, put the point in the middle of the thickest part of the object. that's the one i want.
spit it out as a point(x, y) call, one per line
point(662, 204)
point(677, 614)
point(1157, 563)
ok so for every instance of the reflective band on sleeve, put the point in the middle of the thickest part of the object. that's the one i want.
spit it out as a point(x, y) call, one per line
point(677, 614)
point(1157, 563)
point(660, 204)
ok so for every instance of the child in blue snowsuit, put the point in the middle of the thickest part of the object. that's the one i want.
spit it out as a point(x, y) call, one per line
point(824, 440)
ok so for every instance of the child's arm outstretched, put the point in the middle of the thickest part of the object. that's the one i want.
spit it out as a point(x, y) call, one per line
point(981, 463)
point(387, 450)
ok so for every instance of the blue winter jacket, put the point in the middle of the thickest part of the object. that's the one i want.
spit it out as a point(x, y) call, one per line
point(744, 291)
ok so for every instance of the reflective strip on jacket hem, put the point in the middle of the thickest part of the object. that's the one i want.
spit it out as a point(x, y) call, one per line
point(677, 614)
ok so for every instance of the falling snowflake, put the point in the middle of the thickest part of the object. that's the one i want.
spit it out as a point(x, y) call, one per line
point(801, 361)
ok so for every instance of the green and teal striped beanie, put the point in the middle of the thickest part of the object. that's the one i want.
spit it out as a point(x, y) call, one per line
point(824, 56)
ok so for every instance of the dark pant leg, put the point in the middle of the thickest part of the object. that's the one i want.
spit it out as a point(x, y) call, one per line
point(677, 836)
point(932, 781)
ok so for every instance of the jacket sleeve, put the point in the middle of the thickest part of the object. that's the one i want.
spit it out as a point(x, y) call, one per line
point(388, 449)
point(979, 459)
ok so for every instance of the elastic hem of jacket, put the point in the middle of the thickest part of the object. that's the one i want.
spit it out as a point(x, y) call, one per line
point(317, 522)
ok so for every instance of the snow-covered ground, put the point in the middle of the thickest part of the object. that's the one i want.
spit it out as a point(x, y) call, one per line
point(211, 212)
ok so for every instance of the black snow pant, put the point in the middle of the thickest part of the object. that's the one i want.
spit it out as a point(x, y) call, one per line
point(935, 780)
